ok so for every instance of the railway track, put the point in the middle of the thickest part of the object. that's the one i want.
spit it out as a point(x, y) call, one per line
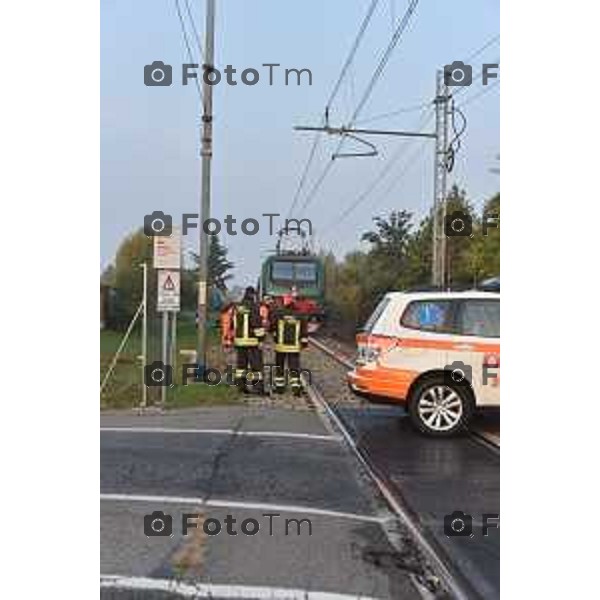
point(419, 478)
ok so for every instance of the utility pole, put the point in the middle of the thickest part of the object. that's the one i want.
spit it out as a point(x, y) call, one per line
point(144, 332)
point(206, 154)
point(442, 103)
point(442, 166)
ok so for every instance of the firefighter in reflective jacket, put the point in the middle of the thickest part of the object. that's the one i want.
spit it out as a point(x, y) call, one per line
point(290, 336)
point(248, 334)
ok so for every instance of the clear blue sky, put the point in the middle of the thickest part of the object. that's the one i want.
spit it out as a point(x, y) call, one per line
point(150, 135)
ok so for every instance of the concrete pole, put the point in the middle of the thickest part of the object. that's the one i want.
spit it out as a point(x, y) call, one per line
point(206, 154)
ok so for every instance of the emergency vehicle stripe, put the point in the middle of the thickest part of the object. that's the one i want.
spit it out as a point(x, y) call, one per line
point(384, 342)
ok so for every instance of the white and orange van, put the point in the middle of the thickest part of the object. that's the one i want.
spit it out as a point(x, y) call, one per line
point(438, 353)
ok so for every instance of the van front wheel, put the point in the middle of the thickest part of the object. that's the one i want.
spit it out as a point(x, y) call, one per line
point(439, 408)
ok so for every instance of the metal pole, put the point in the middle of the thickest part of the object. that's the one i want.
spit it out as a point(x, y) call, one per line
point(443, 191)
point(144, 332)
point(438, 274)
point(121, 346)
point(165, 354)
point(206, 154)
point(173, 359)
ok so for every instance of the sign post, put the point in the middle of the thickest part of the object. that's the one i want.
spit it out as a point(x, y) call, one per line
point(169, 291)
point(167, 261)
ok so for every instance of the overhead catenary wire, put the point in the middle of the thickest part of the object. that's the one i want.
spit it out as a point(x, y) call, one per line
point(382, 174)
point(462, 89)
point(363, 27)
point(470, 98)
point(187, 44)
point(385, 58)
point(485, 46)
point(399, 111)
point(194, 29)
point(352, 53)
point(402, 25)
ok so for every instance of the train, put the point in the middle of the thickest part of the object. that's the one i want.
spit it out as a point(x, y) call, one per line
point(301, 274)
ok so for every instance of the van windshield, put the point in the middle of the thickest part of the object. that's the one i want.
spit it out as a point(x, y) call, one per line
point(372, 320)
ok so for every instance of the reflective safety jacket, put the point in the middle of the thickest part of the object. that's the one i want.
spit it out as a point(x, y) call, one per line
point(226, 322)
point(289, 332)
point(247, 326)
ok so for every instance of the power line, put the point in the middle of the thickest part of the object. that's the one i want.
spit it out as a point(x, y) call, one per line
point(353, 50)
point(464, 88)
point(196, 35)
point(304, 173)
point(404, 110)
point(384, 59)
point(376, 75)
point(482, 92)
point(407, 165)
point(485, 46)
point(365, 22)
point(380, 176)
point(417, 107)
point(187, 44)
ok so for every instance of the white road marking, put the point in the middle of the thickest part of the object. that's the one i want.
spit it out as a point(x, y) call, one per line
point(217, 503)
point(210, 590)
point(281, 434)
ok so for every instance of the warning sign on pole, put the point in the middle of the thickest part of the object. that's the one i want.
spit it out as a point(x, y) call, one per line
point(168, 297)
point(167, 250)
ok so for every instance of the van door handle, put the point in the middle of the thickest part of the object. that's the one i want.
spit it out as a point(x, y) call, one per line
point(464, 347)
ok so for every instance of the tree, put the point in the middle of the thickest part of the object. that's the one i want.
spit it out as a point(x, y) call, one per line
point(485, 254)
point(387, 259)
point(400, 257)
point(135, 249)
point(218, 275)
point(218, 264)
point(391, 236)
point(460, 248)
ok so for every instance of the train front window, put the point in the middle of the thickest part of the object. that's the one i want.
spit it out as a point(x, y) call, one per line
point(283, 271)
point(300, 272)
point(306, 271)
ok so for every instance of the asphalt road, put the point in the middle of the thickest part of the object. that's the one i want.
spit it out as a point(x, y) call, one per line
point(246, 463)
point(434, 478)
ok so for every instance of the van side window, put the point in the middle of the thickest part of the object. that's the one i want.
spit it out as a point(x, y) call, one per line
point(480, 318)
point(428, 315)
point(379, 310)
